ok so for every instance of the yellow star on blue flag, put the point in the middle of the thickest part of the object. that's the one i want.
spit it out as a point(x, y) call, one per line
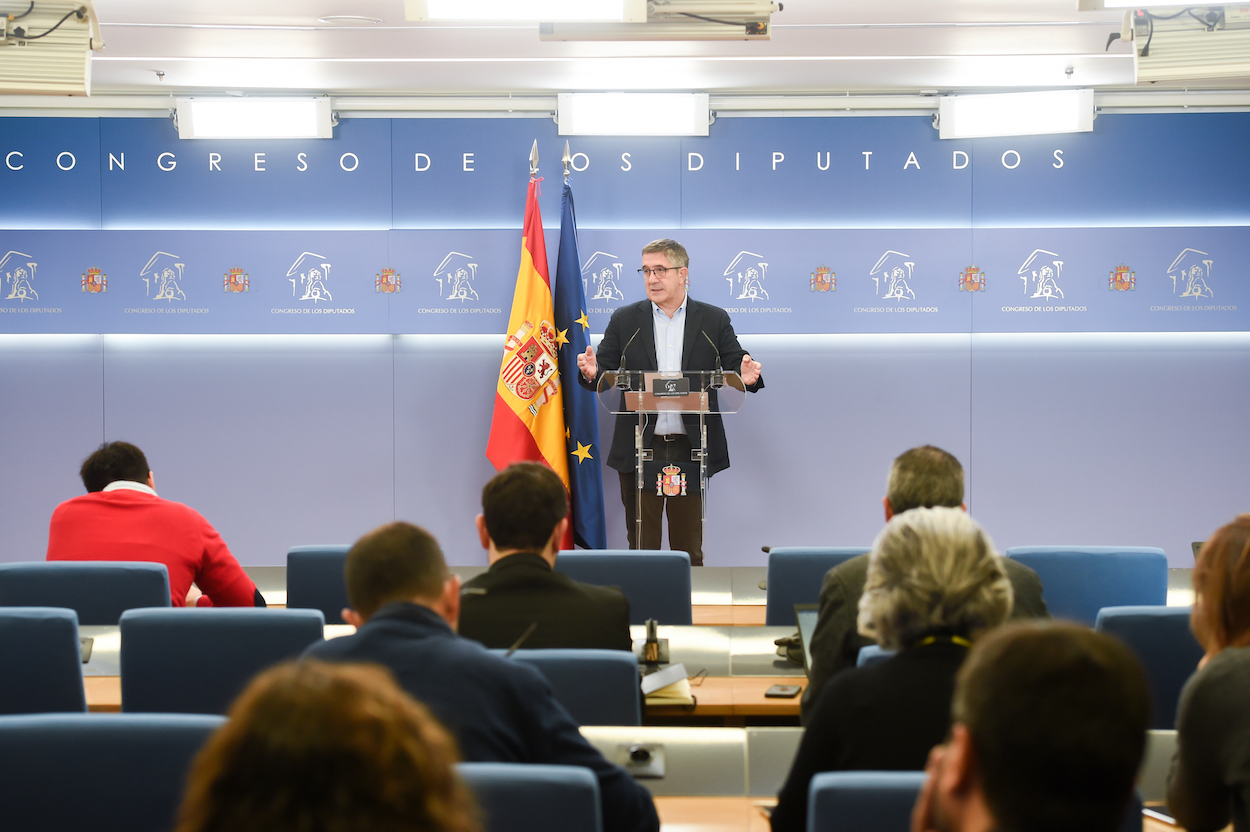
point(582, 453)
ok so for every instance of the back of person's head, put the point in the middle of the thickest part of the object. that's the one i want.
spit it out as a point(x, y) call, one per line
point(111, 462)
point(925, 477)
point(932, 571)
point(395, 562)
point(315, 747)
point(1057, 715)
point(673, 250)
point(1221, 616)
point(521, 506)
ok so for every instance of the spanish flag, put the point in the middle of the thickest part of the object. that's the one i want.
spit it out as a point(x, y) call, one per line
point(529, 406)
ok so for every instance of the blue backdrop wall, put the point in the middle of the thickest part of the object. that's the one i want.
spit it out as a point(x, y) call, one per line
point(305, 337)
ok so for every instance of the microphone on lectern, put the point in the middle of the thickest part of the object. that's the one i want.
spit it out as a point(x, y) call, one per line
point(620, 373)
point(718, 376)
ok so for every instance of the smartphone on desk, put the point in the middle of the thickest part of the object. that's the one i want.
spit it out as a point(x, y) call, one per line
point(782, 691)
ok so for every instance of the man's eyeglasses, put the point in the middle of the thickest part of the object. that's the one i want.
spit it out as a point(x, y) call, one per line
point(658, 271)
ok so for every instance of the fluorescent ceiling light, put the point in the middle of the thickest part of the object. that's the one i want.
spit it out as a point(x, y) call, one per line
point(632, 114)
point(1016, 114)
point(536, 10)
point(254, 118)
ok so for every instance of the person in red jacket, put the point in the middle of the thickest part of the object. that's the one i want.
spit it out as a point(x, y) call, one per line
point(122, 518)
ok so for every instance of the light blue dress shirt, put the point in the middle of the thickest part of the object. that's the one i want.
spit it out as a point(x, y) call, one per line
point(670, 334)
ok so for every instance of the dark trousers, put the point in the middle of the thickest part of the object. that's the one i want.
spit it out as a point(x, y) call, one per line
point(685, 514)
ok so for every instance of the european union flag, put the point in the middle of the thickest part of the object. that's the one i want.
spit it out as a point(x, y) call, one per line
point(581, 419)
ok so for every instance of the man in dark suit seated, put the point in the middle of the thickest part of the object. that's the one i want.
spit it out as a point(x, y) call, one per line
point(405, 604)
point(921, 477)
point(1049, 729)
point(524, 517)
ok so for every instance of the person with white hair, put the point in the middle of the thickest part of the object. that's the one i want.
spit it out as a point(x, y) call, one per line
point(935, 583)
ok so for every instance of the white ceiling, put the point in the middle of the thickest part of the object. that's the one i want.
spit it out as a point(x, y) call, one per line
point(818, 47)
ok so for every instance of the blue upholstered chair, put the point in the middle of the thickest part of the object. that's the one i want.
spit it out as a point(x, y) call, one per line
point(872, 654)
point(862, 801)
point(102, 772)
point(1078, 581)
point(526, 797)
point(42, 662)
point(197, 661)
point(596, 687)
point(656, 583)
point(99, 591)
point(1161, 638)
point(794, 577)
point(314, 580)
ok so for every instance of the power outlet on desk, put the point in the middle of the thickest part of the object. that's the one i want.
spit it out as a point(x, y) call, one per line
point(643, 760)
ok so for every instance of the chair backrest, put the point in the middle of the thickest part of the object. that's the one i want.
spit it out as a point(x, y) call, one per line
point(1078, 581)
point(872, 654)
point(794, 577)
point(314, 579)
point(527, 797)
point(99, 591)
point(596, 687)
point(862, 801)
point(197, 661)
point(42, 661)
point(1161, 638)
point(656, 583)
point(102, 772)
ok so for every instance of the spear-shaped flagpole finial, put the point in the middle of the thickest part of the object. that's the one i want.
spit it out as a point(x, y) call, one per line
point(534, 159)
point(566, 159)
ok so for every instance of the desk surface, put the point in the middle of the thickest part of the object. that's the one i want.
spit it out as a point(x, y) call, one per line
point(712, 814)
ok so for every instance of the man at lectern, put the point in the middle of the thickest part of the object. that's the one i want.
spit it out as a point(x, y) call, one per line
point(669, 331)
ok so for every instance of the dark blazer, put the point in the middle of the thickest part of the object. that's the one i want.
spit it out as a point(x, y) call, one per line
point(883, 717)
point(836, 640)
point(521, 589)
point(632, 330)
point(497, 709)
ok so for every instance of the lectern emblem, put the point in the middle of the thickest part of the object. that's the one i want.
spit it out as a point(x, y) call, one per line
point(670, 482)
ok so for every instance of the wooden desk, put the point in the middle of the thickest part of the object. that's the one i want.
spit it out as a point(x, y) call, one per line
point(733, 698)
point(733, 615)
point(712, 814)
point(104, 693)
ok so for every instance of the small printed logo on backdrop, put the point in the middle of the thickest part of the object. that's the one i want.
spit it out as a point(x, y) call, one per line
point(1041, 272)
point(1191, 274)
point(1122, 279)
point(746, 274)
point(601, 277)
point(94, 281)
point(162, 277)
point(387, 282)
point(892, 276)
point(823, 280)
point(309, 276)
point(455, 277)
point(19, 276)
point(236, 281)
point(972, 279)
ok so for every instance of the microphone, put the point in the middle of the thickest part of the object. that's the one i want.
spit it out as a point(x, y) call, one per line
point(620, 373)
point(718, 377)
point(529, 631)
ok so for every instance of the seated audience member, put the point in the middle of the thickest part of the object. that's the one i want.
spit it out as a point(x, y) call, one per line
point(313, 747)
point(405, 604)
point(934, 584)
point(1209, 784)
point(524, 517)
point(1049, 728)
point(921, 477)
point(121, 518)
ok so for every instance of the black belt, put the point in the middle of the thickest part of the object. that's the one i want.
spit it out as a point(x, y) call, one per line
point(672, 437)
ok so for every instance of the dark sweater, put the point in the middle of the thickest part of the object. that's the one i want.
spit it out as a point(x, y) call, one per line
point(1209, 784)
point(883, 717)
